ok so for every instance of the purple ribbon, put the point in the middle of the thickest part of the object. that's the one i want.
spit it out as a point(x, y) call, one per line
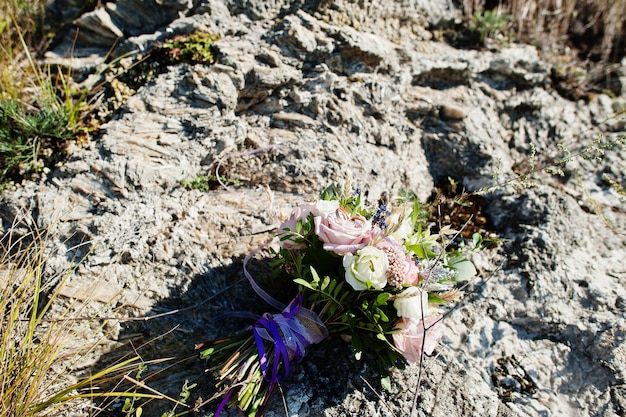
point(291, 332)
point(257, 289)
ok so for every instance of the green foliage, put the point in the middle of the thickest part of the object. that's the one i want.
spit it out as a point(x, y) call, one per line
point(196, 47)
point(30, 141)
point(349, 201)
point(366, 315)
point(330, 293)
point(184, 395)
point(130, 408)
point(489, 23)
point(206, 183)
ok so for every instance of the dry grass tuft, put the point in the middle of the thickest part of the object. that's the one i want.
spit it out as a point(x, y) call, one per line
point(597, 28)
point(20, 38)
point(42, 336)
point(29, 346)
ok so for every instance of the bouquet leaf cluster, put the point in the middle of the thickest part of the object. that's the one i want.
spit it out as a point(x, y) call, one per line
point(374, 276)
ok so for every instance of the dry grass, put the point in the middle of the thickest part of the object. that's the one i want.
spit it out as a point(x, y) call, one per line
point(29, 345)
point(43, 335)
point(597, 28)
point(20, 21)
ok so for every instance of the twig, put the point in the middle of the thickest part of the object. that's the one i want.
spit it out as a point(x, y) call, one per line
point(425, 329)
point(152, 390)
point(380, 397)
point(282, 395)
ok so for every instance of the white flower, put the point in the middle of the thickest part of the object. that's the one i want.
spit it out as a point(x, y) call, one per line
point(324, 207)
point(367, 268)
point(403, 230)
point(412, 303)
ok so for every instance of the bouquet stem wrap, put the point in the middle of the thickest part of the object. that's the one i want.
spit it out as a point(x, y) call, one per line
point(291, 332)
point(250, 364)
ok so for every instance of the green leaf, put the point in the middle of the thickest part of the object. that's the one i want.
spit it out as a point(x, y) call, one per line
point(325, 283)
point(382, 298)
point(128, 406)
point(385, 382)
point(207, 352)
point(383, 316)
point(304, 283)
point(477, 239)
point(332, 286)
point(463, 267)
point(315, 276)
point(435, 299)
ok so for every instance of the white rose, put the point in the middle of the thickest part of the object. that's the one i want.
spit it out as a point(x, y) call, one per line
point(404, 229)
point(324, 207)
point(367, 268)
point(412, 303)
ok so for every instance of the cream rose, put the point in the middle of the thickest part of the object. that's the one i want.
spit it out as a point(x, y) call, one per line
point(411, 303)
point(367, 268)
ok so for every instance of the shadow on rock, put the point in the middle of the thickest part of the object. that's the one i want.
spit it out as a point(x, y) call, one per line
point(164, 339)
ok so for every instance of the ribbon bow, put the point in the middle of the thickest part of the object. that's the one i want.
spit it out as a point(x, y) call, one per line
point(291, 332)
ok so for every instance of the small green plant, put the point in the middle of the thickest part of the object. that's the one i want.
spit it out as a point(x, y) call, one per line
point(596, 150)
point(184, 395)
point(206, 183)
point(39, 110)
point(489, 23)
point(197, 47)
point(30, 140)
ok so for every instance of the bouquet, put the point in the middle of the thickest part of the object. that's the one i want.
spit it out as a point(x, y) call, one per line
point(374, 276)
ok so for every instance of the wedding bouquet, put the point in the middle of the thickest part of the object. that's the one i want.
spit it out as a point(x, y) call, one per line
point(374, 276)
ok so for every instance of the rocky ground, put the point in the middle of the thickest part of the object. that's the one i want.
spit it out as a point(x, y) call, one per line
point(306, 93)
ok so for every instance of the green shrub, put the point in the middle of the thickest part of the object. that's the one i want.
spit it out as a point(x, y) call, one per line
point(197, 47)
point(489, 23)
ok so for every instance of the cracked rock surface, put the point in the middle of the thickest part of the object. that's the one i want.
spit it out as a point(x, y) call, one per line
point(305, 93)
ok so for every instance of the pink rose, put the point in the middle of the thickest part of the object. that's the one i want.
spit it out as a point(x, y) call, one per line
point(410, 339)
point(342, 233)
point(411, 272)
point(287, 228)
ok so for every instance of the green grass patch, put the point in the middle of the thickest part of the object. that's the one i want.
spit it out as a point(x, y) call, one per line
point(194, 48)
point(206, 183)
point(29, 141)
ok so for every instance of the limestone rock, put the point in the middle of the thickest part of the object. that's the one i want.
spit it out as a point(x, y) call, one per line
point(305, 93)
